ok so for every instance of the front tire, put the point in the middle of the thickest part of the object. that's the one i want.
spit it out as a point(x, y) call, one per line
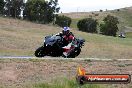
point(39, 52)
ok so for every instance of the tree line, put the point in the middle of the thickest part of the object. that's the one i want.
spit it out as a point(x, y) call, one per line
point(108, 26)
point(42, 11)
point(34, 10)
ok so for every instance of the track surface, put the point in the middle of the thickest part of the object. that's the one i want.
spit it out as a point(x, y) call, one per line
point(59, 58)
point(21, 72)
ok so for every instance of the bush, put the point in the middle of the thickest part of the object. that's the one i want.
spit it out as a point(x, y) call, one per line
point(109, 26)
point(118, 10)
point(101, 10)
point(87, 25)
point(63, 21)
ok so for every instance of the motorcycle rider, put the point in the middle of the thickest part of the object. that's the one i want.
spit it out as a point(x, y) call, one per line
point(68, 40)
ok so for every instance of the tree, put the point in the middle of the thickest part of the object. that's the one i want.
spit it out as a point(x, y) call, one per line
point(109, 25)
point(40, 10)
point(13, 8)
point(16, 8)
point(7, 8)
point(87, 25)
point(1, 6)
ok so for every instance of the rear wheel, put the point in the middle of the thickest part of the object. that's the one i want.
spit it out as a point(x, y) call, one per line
point(73, 54)
point(77, 51)
point(40, 52)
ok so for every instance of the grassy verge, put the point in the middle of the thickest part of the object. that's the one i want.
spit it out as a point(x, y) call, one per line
point(65, 83)
point(129, 34)
point(36, 73)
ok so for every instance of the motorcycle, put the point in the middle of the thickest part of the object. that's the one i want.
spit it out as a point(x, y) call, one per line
point(54, 46)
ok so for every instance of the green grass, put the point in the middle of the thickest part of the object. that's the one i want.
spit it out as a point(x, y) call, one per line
point(129, 35)
point(22, 38)
point(74, 23)
point(96, 38)
point(58, 83)
point(124, 16)
point(106, 46)
point(65, 83)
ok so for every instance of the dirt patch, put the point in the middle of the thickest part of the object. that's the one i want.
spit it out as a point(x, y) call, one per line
point(19, 72)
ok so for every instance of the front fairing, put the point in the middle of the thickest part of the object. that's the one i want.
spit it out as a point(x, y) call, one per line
point(50, 40)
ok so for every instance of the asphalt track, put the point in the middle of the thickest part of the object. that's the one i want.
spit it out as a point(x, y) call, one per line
point(61, 58)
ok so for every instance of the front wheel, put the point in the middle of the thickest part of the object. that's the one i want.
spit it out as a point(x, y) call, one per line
point(39, 52)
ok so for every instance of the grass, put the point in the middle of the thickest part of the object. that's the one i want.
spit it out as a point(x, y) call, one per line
point(106, 46)
point(22, 38)
point(61, 83)
point(74, 23)
point(124, 16)
point(129, 35)
point(65, 83)
point(28, 67)
point(36, 73)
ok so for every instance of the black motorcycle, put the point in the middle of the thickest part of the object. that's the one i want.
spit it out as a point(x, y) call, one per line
point(54, 46)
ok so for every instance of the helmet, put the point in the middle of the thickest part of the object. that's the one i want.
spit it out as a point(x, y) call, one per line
point(65, 30)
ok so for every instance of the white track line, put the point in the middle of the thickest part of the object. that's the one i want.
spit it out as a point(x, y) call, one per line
point(61, 58)
point(16, 57)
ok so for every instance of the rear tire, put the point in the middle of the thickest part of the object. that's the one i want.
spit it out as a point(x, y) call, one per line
point(39, 52)
point(73, 54)
point(77, 51)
